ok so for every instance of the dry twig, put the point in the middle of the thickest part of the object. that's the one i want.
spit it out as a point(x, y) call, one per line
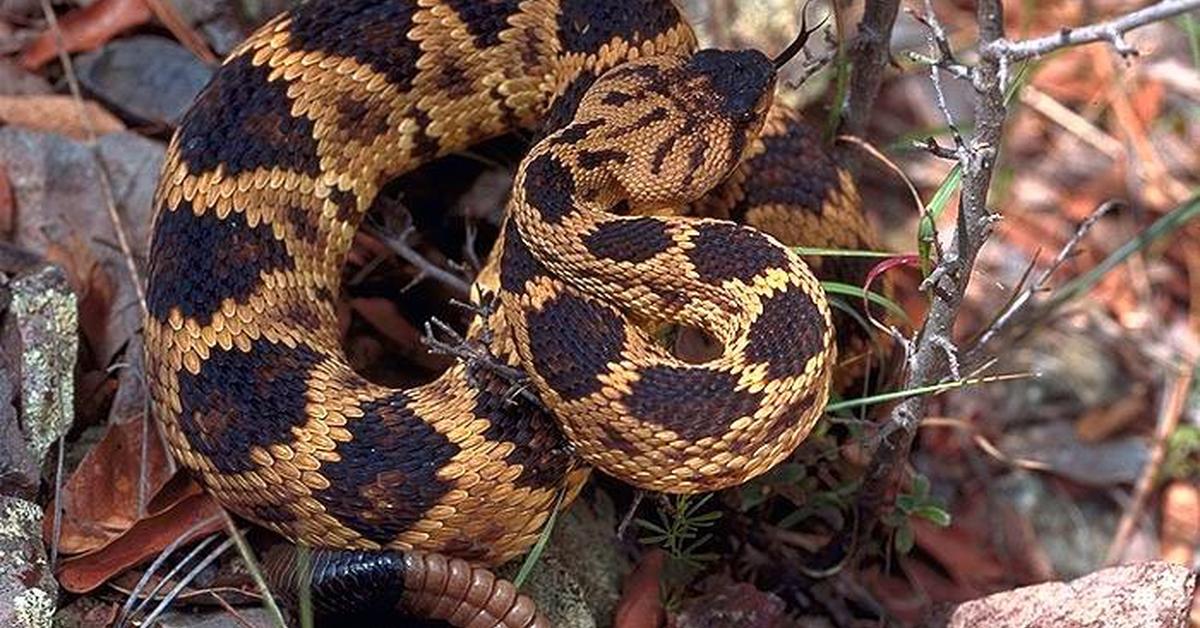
point(1168, 420)
point(1112, 31)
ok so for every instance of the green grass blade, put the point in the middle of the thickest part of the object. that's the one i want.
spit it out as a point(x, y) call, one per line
point(845, 289)
point(1166, 225)
point(921, 390)
point(536, 552)
point(1191, 27)
point(819, 252)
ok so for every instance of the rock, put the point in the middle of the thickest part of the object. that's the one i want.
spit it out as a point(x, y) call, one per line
point(27, 589)
point(1146, 595)
point(150, 79)
point(62, 216)
point(724, 602)
point(1057, 445)
point(19, 470)
point(577, 580)
point(41, 343)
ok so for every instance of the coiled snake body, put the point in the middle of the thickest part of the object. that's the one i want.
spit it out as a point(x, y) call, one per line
point(267, 180)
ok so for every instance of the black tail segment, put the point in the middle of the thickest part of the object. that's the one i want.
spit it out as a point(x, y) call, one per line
point(348, 584)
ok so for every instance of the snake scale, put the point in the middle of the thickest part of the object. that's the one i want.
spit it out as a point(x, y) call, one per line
point(622, 220)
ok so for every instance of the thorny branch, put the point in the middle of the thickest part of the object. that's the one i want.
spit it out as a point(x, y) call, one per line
point(932, 354)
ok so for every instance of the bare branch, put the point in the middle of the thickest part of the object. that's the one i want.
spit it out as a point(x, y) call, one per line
point(1112, 31)
point(870, 53)
point(1019, 305)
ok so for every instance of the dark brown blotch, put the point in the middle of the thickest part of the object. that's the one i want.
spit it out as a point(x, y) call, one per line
point(387, 477)
point(360, 120)
point(694, 402)
point(243, 121)
point(592, 159)
point(196, 262)
point(536, 443)
point(549, 188)
point(372, 32)
point(517, 263)
point(586, 25)
point(304, 223)
point(789, 331)
point(485, 19)
point(572, 341)
point(240, 401)
point(723, 251)
point(630, 240)
point(346, 204)
point(794, 171)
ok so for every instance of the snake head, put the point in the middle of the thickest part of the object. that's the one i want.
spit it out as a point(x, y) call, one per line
point(680, 124)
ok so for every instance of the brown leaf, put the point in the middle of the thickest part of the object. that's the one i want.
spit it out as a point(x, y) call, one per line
point(86, 29)
point(194, 518)
point(1180, 522)
point(641, 605)
point(100, 502)
point(58, 114)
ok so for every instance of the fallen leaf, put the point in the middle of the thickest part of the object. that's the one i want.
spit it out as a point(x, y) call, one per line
point(58, 114)
point(1180, 522)
point(641, 604)
point(194, 518)
point(100, 502)
point(86, 29)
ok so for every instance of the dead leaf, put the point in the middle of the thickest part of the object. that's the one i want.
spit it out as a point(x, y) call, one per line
point(100, 502)
point(194, 518)
point(86, 29)
point(641, 604)
point(1180, 522)
point(57, 114)
point(56, 184)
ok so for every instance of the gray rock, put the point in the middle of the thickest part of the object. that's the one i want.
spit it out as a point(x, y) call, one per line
point(150, 79)
point(27, 589)
point(41, 343)
point(59, 205)
point(19, 470)
point(16, 81)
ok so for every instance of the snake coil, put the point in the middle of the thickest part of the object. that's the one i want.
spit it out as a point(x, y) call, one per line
point(271, 171)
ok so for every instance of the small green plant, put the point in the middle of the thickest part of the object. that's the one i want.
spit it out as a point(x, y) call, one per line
point(1182, 461)
point(680, 532)
point(917, 503)
point(680, 529)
